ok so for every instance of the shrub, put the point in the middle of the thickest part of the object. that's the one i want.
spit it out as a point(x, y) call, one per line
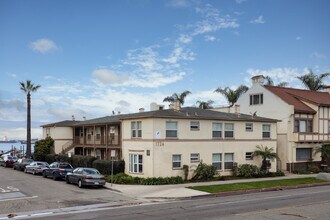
point(248, 170)
point(204, 172)
point(122, 178)
point(301, 171)
point(42, 148)
point(104, 166)
point(314, 169)
point(279, 173)
point(186, 171)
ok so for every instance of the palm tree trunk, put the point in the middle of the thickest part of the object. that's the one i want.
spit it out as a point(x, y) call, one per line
point(28, 126)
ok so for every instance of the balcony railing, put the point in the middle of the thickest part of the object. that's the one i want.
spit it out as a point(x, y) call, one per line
point(99, 140)
point(311, 137)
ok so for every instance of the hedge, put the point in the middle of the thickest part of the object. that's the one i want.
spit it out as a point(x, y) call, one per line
point(122, 178)
point(104, 166)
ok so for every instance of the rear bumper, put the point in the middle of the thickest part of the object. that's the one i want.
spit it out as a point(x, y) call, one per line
point(93, 182)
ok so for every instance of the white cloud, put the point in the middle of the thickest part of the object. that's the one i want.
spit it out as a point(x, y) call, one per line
point(43, 45)
point(240, 1)
point(178, 3)
point(13, 75)
point(258, 20)
point(209, 38)
point(298, 38)
point(106, 76)
point(318, 55)
point(185, 39)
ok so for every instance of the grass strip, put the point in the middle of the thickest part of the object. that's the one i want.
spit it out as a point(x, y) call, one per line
point(257, 185)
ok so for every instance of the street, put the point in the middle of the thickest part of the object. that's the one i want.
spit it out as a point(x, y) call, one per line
point(21, 192)
point(309, 203)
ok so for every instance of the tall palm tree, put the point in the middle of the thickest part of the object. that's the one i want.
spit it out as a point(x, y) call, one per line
point(265, 153)
point(177, 97)
point(28, 87)
point(205, 105)
point(270, 82)
point(325, 152)
point(232, 95)
point(312, 81)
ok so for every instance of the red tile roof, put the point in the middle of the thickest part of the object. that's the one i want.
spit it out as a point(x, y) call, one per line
point(296, 97)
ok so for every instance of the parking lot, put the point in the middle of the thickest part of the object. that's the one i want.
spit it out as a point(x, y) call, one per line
point(21, 192)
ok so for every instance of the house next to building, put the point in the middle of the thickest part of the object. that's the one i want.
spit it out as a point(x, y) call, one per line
point(158, 143)
point(304, 119)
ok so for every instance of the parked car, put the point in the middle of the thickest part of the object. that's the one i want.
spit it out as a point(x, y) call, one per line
point(85, 177)
point(36, 167)
point(57, 170)
point(21, 163)
point(6, 161)
point(15, 159)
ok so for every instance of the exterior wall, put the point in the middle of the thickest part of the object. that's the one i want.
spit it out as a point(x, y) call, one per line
point(63, 136)
point(157, 150)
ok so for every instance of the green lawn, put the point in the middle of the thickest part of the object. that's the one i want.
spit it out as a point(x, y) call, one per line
point(256, 185)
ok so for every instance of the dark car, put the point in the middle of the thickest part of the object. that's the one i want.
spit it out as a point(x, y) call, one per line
point(57, 170)
point(21, 163)
point(36, 167)
point(85, 177)
point(6, 161)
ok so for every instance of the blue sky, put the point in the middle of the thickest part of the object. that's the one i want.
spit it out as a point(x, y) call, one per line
point(93, 57)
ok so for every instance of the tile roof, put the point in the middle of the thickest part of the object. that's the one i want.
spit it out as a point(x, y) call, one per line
point(296, 97)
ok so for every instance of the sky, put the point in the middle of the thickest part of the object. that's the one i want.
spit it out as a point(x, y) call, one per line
point(95, 57)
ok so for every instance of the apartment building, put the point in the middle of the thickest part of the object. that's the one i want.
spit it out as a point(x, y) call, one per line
point(304, 119)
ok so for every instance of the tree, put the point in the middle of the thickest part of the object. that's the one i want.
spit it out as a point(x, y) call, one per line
point(205, 105)
point(265, 153)
point(232, 95)
point(28, 87)
point(177, 97)
point(312, 81)
point(270, 82)
point(324, 150)
point(42, 148)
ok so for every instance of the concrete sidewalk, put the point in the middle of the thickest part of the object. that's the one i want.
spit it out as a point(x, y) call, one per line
point(180, 190)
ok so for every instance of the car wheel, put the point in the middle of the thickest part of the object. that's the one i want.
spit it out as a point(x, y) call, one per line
point(34, 172)
point(67, 180)
point(54, 176)
point(44, 174)
point(25, 170)
point(80, 185)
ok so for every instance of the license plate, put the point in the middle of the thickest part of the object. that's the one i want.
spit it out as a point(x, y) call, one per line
point(96, 183)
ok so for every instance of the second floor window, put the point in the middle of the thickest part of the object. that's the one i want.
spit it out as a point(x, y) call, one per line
point(248, 127)
point(98, 133)
point(136, 127)
point(256, 99)
point(194, 125)
point(265, 131)
point(303, 125)
point(229, 130)
point(47, 132)
point(216, 130)
point(171, 129)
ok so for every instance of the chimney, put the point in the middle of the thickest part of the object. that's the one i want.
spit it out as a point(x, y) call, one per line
point(141, 109)
point(259, 79)
point(84, 118)
point(177, 106)
point(327, 89)
point(73, 118)
point(171, 106)
point(237, 109)
point(118, 113)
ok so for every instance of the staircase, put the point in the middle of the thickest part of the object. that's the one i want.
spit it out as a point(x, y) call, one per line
point(67, 146)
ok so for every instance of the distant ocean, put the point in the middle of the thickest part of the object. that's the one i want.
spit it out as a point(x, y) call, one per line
point(8, 146)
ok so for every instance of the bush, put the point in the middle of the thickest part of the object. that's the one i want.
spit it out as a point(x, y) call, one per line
point(122, 178)
point(248, 170)
point(204, 172)
point(301, 171)
point(42, 148)
point(314, 169)
point(104, 166)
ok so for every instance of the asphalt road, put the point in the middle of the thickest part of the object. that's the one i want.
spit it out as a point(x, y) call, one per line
point(307, 203)
point(21, 192)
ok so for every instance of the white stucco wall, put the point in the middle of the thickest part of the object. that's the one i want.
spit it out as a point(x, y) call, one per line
point(62, 136)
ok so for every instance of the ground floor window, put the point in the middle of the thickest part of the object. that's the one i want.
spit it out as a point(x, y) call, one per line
point(194, 157)
point(229, 161)
point(249, 156)
point(303, 154)
point(176, 161)
point(135, 163)
point(216, 160)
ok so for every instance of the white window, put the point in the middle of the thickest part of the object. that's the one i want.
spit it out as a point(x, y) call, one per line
point(47, 132)
point(265, 131)
point(194, 125)
point(229, 161)
point(303, 154)
point(98, 133)
point(89, 133)
point(248, 127)
point(176, 161)
point(136, 128)
point(217, 160)
point(216, 130)
point(229, 130)
point(135, 163)
point(256, 99)
point(249, 156)
point(171, 129)
point(194, 157)
point(329, 126)
point(303, 125)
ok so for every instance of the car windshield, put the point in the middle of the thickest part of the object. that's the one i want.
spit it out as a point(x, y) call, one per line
point(42, 164)
point(65, 166)
point(15, 158)
point(9, 158)
point(90, 171)
point(27, 161)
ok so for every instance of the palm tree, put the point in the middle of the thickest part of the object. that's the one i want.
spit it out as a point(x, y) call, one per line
point(28, 87)
point(312, 81)
point(232, 95)
point(205, 105)
point(177, 97)
point(265, 153)
point(325, 152)
point(270, 82)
